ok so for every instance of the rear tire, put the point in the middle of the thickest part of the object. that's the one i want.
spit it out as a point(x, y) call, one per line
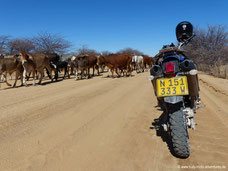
point(178, 131)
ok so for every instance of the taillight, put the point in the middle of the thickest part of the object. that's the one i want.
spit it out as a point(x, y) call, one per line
point(170, 67)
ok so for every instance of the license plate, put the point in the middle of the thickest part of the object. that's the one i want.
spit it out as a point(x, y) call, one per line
point(174, 86)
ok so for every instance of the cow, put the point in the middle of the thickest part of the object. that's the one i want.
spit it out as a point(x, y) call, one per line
point(82, 65)
point(117, 61)
point(51, 57)
point(100, 63)
point(147, 61)
point(92, 62)
point(33, 63)
point(2, 56)
point(10, 65)
point(72, 65)
point(138, 63)
point(59, 65)
point(2, 77)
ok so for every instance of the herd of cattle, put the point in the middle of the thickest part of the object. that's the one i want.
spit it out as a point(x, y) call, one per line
point(24, 64)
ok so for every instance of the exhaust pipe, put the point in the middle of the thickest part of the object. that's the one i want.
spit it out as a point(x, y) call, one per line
point(187, 65)
point(155, 70)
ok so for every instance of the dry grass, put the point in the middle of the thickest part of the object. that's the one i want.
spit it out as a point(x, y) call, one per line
point(218, 69)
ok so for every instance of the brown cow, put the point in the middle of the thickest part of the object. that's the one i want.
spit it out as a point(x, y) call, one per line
point(10, 65)
point(84, 63)
point(117, 61)
point(33, 63)
point(148, 61)
point(51, 57)
point(92, 62)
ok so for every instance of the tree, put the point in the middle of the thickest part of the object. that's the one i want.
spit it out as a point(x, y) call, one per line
point(209, 45)
point(105, 53)
point(85, 50)
point(3, 44)
point(17, 44)
point(49, 43)
point(129, 51)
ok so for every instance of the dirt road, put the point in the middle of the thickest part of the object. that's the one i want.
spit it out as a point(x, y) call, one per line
point(104, 124)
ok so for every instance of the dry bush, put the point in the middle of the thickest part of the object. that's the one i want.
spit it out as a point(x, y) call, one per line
point(220, 70)
point(130, 51)
point(49, 43)
point(85, 50)
point(106, 53)
point(43, 42)
point(3, 44)
point(209, 50)
point(17, 44)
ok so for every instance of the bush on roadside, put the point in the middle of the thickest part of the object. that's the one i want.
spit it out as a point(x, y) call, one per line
point(209, 50)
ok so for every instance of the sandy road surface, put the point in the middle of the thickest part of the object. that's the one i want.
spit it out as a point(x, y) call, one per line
point(104, 124)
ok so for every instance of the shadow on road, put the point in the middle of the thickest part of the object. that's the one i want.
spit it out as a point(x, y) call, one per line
point(165, 136)
point(50, 82)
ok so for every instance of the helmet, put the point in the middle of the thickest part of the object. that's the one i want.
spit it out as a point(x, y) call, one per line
point(184, 30)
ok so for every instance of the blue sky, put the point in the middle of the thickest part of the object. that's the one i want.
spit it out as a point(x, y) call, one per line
point(110, 25)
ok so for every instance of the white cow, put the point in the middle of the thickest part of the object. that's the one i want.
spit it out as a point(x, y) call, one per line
point(138, 61)
point(73, 58)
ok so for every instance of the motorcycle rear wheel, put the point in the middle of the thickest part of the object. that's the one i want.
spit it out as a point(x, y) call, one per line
point(178, 131)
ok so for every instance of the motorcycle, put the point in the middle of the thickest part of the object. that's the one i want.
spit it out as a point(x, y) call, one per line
point(175, 81)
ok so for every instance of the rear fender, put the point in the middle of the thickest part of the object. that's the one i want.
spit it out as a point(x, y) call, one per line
point(173, 99)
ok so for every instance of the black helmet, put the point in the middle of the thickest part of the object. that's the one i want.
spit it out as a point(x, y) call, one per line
point(184, 30)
